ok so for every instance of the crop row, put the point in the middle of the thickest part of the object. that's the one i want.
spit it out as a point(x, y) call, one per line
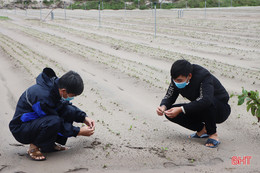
point(222, 68)
point(132, 68)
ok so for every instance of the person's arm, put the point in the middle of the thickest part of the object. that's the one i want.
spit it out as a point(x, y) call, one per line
point(170, 97)
point(71, 113)
point(205, 98)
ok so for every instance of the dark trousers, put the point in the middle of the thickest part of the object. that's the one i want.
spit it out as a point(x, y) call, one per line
point(218, 112)
point(42, 132)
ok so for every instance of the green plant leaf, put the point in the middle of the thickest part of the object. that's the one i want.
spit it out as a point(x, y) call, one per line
point(252, 94)
point(248, 101)
point(244, 91)
point(240, 96)
point(249, 106)
point(257, 95)
point(241, 100)
point(258, 112)
point(232, 95)
point(253, 110)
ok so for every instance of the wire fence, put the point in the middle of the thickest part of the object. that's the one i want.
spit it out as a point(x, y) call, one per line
point(130, 5)
point(100, 17)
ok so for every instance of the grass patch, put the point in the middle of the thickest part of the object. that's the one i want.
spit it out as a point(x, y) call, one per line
point(4, 18)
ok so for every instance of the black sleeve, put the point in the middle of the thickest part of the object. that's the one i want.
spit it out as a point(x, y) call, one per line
point(71, 113)
point(205, 99)
point(170, 97)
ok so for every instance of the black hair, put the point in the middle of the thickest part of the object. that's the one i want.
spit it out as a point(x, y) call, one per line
point(181, 67)
point(72, 82)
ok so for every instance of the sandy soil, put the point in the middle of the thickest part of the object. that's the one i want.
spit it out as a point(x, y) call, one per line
point(126, 74)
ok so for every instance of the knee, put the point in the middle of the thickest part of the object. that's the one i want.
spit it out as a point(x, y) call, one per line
point(171, 119)
point(53, 122)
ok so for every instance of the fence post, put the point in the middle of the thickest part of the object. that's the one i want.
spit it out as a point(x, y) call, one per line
point(26, 9)
point(52, 15)
point(125, 8)
point(99, 17)
point(155, 20)
point(205, 8)
point(65, 11)
point(41, 10)
point(152, 7)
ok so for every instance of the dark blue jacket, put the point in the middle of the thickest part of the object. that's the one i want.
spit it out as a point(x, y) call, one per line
point(43, 99)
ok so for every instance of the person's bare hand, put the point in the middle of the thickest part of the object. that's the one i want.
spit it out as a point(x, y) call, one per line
point(160, 110)
point(89, 122)
point(86, 131)
point(173, 112)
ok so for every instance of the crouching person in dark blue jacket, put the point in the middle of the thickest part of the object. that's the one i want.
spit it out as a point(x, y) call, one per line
point(44, 114)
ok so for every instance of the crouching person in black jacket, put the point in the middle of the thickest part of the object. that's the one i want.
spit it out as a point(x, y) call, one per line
point(208, 106)
point(44, 114)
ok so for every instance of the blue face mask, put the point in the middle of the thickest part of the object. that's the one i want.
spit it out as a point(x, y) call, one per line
point(181, 85)
point(68, 98)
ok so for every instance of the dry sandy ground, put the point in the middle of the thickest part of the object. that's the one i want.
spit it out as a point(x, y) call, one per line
point(126, 74)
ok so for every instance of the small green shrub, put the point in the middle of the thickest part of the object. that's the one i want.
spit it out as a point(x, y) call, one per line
point(252, 101)
point(48, 2)
point(4, 18)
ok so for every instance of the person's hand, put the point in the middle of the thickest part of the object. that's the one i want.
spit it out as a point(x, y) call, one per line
point(89, 122)
point(173, 112)
point(86, 131)
point(160, 110)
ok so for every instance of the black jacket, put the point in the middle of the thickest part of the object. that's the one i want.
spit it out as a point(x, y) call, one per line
point(201, 90)
point(45, 93)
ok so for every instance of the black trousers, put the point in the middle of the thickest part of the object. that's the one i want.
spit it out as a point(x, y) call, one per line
point(217, 113)
point(42, 132)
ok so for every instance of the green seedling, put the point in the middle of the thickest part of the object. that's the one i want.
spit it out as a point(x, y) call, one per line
point(192, 160)
point(164, 148)
point(252, 101)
